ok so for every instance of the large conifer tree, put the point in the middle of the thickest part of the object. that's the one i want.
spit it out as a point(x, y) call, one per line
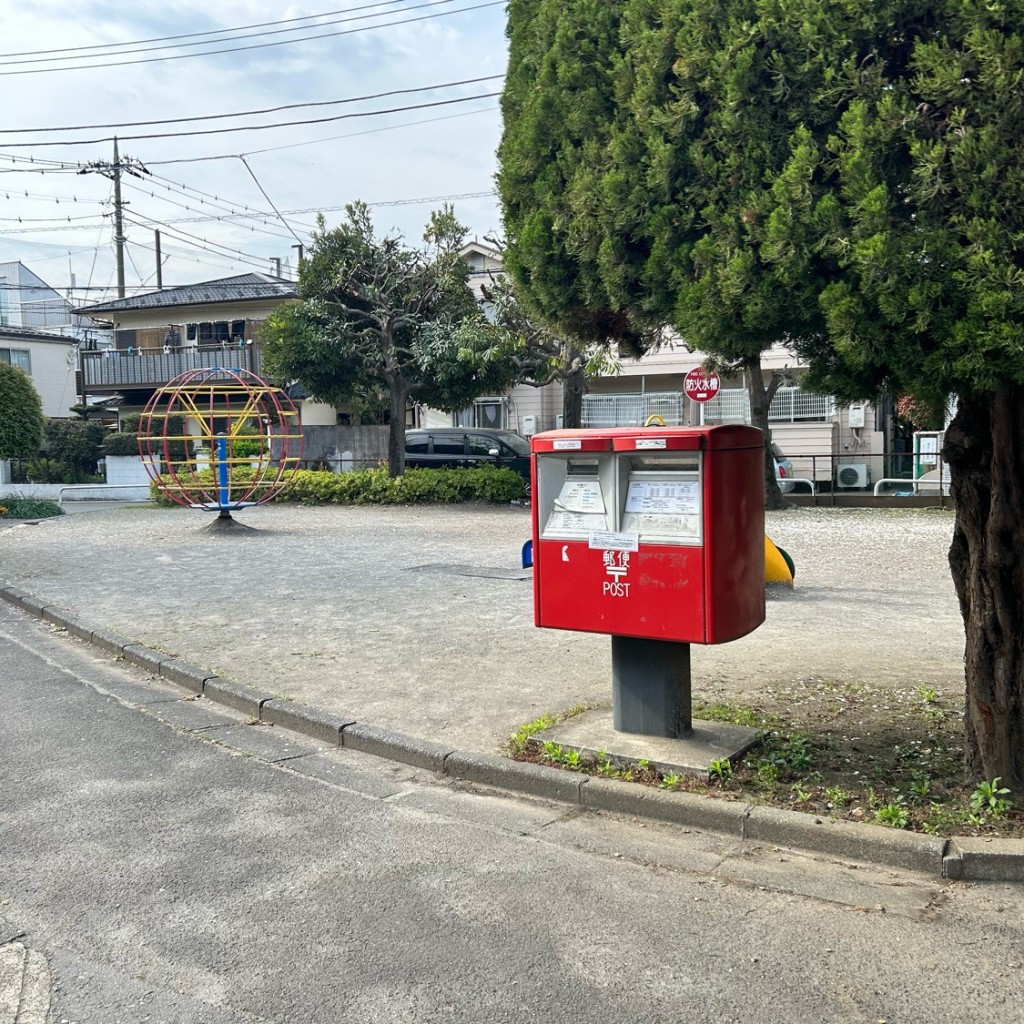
point(845, 176)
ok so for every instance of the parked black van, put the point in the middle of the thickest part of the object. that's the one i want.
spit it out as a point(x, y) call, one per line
point(466, 447)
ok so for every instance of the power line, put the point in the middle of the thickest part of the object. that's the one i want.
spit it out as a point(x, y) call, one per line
point(253, 113)
point(178, 233)
point(315, 142)
point(257, 46)
point(192, 35)
point(256, 127)
point(172, 202)
point(269, 200)
point(208, 42)
point(115, 50)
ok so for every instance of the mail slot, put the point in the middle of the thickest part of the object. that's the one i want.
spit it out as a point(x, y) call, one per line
point(655, 533)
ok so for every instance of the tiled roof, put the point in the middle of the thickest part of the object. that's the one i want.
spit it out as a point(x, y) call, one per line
point(245, 287)
point(33, 334)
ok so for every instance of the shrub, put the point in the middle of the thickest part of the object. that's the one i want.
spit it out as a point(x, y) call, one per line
point(75, 443)
point(30, 508)
point(375, 487)
point(415, 486)
point(21, 414)
point(121, 443)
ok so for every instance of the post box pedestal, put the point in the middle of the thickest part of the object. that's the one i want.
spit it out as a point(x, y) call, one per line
point(651, 687)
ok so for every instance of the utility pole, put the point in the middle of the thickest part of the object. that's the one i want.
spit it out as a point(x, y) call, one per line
point(159, 263)
point(113, 171)
point(118, 223)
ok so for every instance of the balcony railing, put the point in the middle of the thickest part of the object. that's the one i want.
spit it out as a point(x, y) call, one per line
point(153, 367)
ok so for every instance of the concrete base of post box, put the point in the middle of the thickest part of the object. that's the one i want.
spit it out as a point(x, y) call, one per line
point(592, 733)
point(651, 686)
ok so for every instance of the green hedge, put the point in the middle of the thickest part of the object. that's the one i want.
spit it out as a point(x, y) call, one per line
point(375, 487)
point(121, 443)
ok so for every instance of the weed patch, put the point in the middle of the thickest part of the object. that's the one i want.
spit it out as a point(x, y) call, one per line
point(858, 753)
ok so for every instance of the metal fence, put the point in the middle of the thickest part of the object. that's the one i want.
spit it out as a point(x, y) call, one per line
point(789, 405)
point(632, 410)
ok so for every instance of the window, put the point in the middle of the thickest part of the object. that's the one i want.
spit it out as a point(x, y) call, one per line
point(416, 445)
point(482, 445)
point(448, 444)
point(19, 357)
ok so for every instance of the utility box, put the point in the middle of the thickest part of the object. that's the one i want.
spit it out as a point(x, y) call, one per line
point(652, 533)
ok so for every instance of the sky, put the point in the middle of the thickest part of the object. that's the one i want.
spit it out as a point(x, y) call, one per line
point(64, 67)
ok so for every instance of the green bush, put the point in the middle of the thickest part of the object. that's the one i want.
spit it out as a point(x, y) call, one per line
point(242, 478)
point(375, 487)
point(121, 443)
point(75, 443)
point(29, 508)
point(415, 486)
point(21, 414)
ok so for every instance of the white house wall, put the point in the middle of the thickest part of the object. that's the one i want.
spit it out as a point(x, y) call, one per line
point(53, 375)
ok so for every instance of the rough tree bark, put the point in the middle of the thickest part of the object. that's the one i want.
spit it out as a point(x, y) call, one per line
point(761, 395)
point(984, 448)
point(574, 385)
point(398, 393)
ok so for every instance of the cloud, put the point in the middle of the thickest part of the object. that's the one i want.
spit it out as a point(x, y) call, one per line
point(435, 158)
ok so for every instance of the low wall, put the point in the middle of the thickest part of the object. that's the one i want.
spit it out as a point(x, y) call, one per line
point(76, 492)
point(345, 448)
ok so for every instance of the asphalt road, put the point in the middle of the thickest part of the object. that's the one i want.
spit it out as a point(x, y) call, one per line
point(163, 860)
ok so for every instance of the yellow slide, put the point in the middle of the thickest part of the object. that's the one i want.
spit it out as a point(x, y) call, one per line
point(778, 566)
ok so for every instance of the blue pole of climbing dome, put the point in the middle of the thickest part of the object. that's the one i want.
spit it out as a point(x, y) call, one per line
point(223, 491)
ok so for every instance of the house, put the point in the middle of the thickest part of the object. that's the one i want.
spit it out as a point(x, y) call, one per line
point(161, 334)
point(48, 359)
point(38, 334)
point(836, 447)
point(524, 409)
point(26, 300)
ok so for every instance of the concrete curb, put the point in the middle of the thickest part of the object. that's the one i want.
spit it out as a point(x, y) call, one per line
point(960, 858)
point(395, 746)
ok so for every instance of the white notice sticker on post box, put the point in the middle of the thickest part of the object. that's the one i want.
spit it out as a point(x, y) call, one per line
point(607, 540)
point(580, 496)
point(678, 497)
point(567, 446)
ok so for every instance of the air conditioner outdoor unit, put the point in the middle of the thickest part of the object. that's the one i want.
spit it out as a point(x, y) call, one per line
point(853, 475)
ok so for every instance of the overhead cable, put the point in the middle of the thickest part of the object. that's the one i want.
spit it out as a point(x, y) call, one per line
point(192, 35)
point(257, 46)
point(252, 127)
point(253, 113)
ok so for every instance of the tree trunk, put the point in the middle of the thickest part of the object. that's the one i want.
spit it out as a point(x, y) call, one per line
point(984, 448)
point(398, 393)
point(574, 387)
point(761, 396)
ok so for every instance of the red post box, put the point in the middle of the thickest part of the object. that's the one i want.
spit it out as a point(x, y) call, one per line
point(654, 533)
point(650, 532)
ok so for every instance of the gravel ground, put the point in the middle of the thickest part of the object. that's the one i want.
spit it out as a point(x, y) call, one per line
point(359, 610)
